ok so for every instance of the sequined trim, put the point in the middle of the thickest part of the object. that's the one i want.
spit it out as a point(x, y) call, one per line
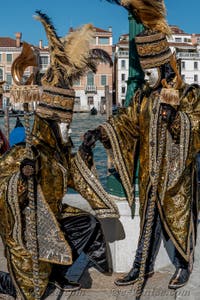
point(53, 246)
point(176, 154)
point(119, 162)
point(153, 143)
point(12, 199)
point(96, 186)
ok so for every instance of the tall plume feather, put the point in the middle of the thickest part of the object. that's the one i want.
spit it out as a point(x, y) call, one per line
point(59, 59)
point(78, 49)
point(77, 46)
point(151, 13)
point(72, 56)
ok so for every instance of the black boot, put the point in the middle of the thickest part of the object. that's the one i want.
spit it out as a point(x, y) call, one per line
point(59, 279)
point(131, 277)
point(179, 279)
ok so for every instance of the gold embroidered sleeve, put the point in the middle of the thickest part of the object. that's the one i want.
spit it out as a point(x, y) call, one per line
point(123, 133)
point(192, 106)
point(85, 182)
point(175, 128)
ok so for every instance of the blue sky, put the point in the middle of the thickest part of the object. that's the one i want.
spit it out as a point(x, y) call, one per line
point(17, 15)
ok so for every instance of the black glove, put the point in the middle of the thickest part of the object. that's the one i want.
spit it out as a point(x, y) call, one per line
point(89, 139)
point(168, 113)
point(28, 167)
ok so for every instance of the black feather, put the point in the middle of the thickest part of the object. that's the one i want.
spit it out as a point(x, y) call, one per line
point(101, 55)
point(47, 20)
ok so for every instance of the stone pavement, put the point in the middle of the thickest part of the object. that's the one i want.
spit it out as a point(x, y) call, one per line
point(97, 286)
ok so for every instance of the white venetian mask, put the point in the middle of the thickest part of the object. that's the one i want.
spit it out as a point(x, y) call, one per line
point(64, 131)
point(152, 76)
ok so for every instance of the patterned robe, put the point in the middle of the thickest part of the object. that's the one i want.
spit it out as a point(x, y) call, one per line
point(176, 190)
point(57, 170)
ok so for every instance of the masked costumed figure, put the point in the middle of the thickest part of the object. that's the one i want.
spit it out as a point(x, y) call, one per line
point(32, 188)
point(163, 119)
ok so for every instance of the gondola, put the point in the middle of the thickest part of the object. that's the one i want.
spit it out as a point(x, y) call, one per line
point(93, 111)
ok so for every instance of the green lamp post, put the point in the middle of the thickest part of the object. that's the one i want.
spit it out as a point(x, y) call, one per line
point(136, 74)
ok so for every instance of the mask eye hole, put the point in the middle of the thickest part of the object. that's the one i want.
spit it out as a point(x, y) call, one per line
point(148, 73)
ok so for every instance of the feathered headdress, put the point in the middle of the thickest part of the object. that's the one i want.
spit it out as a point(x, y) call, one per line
point(151, 13)
point(55, 75)
point(77, 48)
point(71, 57)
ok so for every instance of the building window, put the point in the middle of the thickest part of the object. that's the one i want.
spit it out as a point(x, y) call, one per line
point(123, 77)
point(9, 58)
point(8, 79)
point(178, 40)
point(1, 75)
point(196, 65)
point(183, 65)
point(90, 78)
point(183, 77)
point(187, 40)
point(123, 90)
point(90, 100)
point(195, 78)
point(123, 64)
point(77, 82)
point(103, 41)
point(44, 62)
point(103, 80)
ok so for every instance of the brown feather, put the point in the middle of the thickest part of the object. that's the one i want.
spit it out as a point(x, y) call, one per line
point(151, 13)
point(77, 46)
point(59, 59)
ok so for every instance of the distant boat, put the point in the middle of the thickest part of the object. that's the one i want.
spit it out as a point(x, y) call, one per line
point(14, 113)
point(93, 111)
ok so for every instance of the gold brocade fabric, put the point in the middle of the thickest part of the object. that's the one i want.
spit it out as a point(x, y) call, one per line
point(56, 171)
point(11, 229)
point(140, 123)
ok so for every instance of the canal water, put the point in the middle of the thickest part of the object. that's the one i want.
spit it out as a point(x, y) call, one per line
point(80, 124)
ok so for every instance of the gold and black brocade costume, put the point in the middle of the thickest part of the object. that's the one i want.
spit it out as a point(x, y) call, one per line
point(57, 171)
point(177, 187)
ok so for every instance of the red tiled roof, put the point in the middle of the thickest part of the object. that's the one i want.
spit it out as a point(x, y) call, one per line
point(100, 30)
point(7, 42)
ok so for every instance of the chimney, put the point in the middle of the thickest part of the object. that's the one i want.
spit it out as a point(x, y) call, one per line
point(110, 28)
point(40, 44)
point(18, 37)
